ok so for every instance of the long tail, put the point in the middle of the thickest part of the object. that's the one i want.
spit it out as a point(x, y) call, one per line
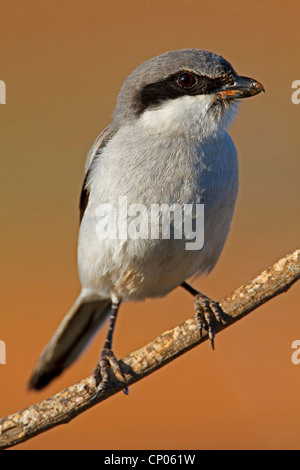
point(77, 328)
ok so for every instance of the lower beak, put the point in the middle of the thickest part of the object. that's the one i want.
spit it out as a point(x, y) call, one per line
point(243, 87)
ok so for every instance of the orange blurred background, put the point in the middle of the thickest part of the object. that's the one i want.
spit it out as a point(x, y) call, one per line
point(63, 64)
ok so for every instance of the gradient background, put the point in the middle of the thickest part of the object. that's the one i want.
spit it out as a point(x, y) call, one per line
point(63, 63)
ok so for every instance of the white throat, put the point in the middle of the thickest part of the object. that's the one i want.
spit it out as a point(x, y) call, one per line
point(194, 116)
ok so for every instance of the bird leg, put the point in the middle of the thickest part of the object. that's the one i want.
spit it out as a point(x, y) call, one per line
point(107, 359)
point(207, 312)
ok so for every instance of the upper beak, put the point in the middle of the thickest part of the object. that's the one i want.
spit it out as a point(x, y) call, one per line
point(243, 87)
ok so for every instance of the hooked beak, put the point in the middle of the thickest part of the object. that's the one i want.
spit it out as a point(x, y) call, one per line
point(243, 87)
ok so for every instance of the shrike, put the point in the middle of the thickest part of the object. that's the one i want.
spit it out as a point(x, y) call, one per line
point(167, 144)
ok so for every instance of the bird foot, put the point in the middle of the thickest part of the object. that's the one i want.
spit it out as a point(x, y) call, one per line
point(101, 374)
point(207, 313)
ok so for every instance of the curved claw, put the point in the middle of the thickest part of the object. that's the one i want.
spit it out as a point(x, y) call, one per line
point(101, 372)
point(207, 312)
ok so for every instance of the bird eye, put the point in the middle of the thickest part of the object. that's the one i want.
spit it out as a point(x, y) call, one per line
point(186, 80)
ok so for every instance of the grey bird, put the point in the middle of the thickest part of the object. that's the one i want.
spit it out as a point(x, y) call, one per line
point(167, 144)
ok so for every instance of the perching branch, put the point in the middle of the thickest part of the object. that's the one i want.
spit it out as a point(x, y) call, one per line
point(66, 405)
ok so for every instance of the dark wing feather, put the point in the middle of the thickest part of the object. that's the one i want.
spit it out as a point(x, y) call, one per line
point(84, 197)
point(95, 151)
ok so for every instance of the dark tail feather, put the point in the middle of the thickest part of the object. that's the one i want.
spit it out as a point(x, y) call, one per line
point(77, 328)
